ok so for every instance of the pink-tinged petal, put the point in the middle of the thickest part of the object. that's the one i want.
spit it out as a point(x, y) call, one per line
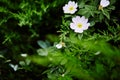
point(88, 24)
point(65, 8)
point(72, 25)
point(71, 3)
point(76, 19)
point(85, 27)
point(104, 3)
point(76, 5)
point(78, 30)
point(83, 19)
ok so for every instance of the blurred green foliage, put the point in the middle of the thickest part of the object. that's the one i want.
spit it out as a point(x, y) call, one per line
point(34, 27)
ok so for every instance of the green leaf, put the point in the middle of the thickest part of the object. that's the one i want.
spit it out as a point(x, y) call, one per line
point(43, 44)
point(67, 16)
point(22, 63)
point(111, 7)
point(3, 10)
point(101, 17)
point(42, 52)
point(64, 61)
point(106, 14)
point(81, 4)
point(92, 23)
point(27, 61)
point(1, 56)
point(88, 11)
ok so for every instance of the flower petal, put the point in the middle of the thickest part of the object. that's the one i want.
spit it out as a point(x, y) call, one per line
point(86, 26)
point(83, 19)
point(71, 3)
point(72, 25)
point(76, 19)
point(104, 3)
point(78, 30)
point(59, 46)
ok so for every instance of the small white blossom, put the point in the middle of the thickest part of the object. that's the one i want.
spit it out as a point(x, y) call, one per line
point(79, 24)
point(63, 75)
point(104, 3)
point(15, 67)
point(70, 8)
point(23, 55)
point(97, 53)
point(60, 45)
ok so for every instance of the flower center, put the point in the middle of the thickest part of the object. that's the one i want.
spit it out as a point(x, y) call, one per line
point(79, 25)
point(71, 8)
point(100, 7)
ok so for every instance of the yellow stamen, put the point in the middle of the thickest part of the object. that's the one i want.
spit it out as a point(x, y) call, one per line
point(71, 8)
point(79, 25)
point(100, 7)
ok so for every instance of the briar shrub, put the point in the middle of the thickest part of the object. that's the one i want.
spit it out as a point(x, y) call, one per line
point(59, 40)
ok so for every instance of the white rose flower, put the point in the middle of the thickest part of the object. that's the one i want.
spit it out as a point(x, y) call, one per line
point(97, 53)
point(104, 3)
point(23, 55)
point(15, 67)
point(70, 8)
point(60, 45)
point(79, 24)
